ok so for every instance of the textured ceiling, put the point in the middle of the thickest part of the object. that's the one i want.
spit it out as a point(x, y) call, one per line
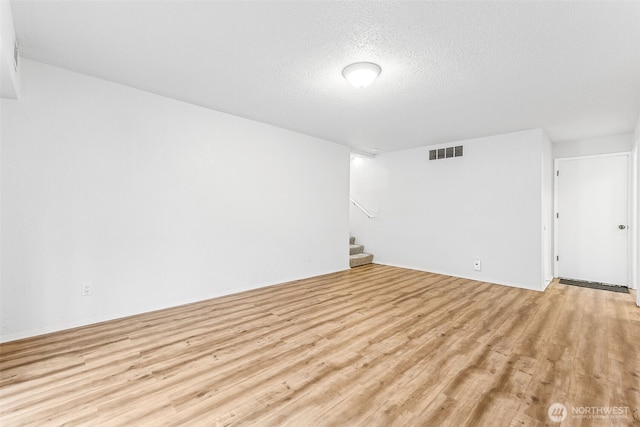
point(450, 70)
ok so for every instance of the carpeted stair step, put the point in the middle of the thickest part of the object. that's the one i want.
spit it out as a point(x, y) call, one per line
point(357, 256)
point(355, 249)
point(356, 260)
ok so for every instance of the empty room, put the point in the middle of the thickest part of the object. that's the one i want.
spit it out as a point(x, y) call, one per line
point(319, 213)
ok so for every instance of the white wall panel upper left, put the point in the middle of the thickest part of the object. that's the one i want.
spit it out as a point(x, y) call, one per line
point(10, 81)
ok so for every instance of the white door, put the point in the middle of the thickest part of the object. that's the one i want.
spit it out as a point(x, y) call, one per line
point(592, 213)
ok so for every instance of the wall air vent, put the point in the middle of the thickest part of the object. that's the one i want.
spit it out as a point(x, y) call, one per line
point(446, 153)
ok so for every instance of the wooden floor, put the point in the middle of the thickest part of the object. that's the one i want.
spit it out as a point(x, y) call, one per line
point(372, 346)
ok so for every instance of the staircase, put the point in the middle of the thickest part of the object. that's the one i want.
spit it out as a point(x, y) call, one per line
point(357, 257)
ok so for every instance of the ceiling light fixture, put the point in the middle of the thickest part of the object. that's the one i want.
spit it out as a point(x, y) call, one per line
point(361, 74)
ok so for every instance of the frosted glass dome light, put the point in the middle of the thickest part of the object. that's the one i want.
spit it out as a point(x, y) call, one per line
point(361, 74)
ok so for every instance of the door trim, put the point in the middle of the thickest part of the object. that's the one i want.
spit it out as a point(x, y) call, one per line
point(630, 227)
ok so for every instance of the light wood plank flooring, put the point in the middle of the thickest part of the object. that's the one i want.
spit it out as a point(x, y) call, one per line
point(373, 346)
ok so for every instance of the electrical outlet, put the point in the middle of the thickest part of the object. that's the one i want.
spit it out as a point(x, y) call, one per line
point(87, 289)
point(477, 265)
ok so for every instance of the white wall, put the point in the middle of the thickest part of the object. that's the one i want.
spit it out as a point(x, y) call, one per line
point(440, 215)
point(608, 144)
point(9, 78)
point(154, 201)
point(9, 83)
point(547, 208)
point(635, 265)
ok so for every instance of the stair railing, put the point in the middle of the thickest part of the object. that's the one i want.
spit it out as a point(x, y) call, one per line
point(359, 206)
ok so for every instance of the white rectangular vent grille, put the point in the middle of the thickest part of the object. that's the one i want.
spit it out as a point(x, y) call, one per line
point(446, 153)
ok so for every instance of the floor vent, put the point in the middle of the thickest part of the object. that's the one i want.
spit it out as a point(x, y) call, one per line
point(446, 153)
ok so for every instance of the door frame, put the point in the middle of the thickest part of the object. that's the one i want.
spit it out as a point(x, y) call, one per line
point(630, 199)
